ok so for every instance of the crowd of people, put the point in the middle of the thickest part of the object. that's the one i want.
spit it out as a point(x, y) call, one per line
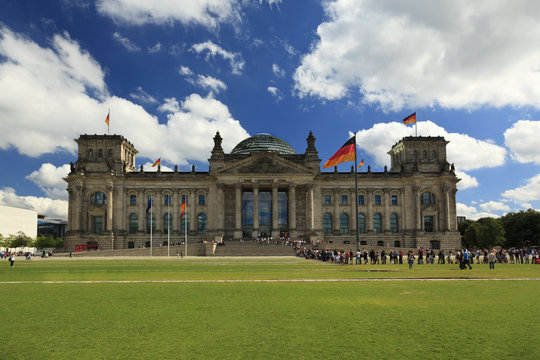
point(462, 257)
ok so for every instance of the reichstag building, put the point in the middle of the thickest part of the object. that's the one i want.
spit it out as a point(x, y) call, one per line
point(262, 188)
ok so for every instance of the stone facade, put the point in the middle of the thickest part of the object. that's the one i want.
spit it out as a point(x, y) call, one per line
point(269, 190)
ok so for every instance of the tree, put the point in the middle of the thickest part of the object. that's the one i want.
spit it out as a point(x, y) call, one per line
point(484, 233)
point(522, 228)
point(50, 241)
point(19, 240)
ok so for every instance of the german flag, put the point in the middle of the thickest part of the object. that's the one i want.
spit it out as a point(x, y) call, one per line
point(158, 162)
point(361, 163)
point(183, 207)
point(346, 153)
point(411, 119)
point(107, 118)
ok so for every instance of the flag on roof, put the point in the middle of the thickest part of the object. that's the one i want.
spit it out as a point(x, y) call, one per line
point(411, 119)
point(346, 153)
point(158, 162)
point(107, 118)
point(361, 163)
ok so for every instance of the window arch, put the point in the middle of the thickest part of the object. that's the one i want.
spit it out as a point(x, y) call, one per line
point(184, 222)
point(344, 223)
point(100, 153)
point(98, 198)
point(377, 223)
point(150, 221)
point(167, 223)
point(427, 198)
point(133, 223)
point(90, 153)
point(361, 223)
point(327, 223)
point(394, 223)
point(202, 223)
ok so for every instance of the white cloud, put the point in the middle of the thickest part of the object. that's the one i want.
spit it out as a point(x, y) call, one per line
point(209, 82)
point(212, 50)
point(522, 140)
point(148, 167)
point(143, 96)
point(467, 181)
point(207, 13)
point(45, 206)
point(526, 193)
point(65, 86)
point(275, 92)
point(156, 48)
point(279, 72)
point(491, 206)
point(184, 70)
point(465, 151)
point(457, 54)
point(125, 42)
point(472, 213)
point(49, 179)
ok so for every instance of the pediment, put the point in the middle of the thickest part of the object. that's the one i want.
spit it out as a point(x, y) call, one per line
point(265, 164)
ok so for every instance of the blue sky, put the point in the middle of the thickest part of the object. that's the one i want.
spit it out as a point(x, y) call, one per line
point(174, 72)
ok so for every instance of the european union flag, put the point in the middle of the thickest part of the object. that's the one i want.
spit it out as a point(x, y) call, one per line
point(149, 205)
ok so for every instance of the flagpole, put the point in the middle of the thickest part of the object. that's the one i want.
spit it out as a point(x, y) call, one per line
point(356, 192)
point(185, 230)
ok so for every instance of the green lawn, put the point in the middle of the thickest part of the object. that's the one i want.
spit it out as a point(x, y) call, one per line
point(270, 320)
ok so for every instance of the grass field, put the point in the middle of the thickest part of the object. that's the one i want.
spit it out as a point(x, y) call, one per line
point(52, 309)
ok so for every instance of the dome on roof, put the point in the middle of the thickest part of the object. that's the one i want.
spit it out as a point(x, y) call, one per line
point(262, 142)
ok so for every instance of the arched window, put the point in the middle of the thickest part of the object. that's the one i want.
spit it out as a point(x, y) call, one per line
point(100, 153)
point(327, 223)
point(90, 153)
point(184, 222)
point(150, 221)
point(361, 223)
point(133, 223)
point(167, 223)
point(394, 224)
point(109, 153)
point(344, 223)
point(377, 223)
point(427, 198)
point(202, 223)
point(98, 198)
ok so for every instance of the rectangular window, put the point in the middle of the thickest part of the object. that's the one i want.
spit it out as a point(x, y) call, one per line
point(202, 200)
point(343, 199)
point(428, 223)
point(394, 199)
point(185, 199)
point(97, 224)
point(133, 200)
point(377, 199)
point(360, 199)
point(167, 199)
point(327, 200)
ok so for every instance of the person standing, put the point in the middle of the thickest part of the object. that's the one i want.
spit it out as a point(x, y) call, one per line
point(491, 259)
point(12, 259)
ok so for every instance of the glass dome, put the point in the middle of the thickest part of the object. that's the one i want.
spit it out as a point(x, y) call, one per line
point(262, 142)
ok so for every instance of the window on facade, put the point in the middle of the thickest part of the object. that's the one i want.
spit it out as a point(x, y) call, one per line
point(363, 242)
point(150, 223)
point(202, 223)
point(185, 199)
point(97, 224)
point(133, 200)
point(435, 244)
point(133, 223)
point(184, 223)
point(283, 204)
point(428, 223)
point(109, 153)
point(202, 200)
point(98, 198)
point(327, 223)
point(327, 200)
point(377, 223)
point(360, 199)
point(427, 198)
point(90, 153)
point(380, 243)
point(434, 155)
point(167, 223)
point(377, 199)
point(247, 213)
point(167, 199)
point(415, 155)
point(343, 199)
point(394, 200)
point(394, 223)
point(265, 212)
point(344, 223)
point(361, 223)
point(397, 244)
point(100, 153)
point(424, 154)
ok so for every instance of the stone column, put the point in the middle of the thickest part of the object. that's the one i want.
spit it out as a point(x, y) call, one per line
point(335, 224)
point(292, 209)
point(175, 213)
point(256, 210)
point(309, 210)
point(416, 200)
point(157, 208)
point(141, 206)
point(221, 209)
point(193, 217)
point(238, 212)
point(354, 220)
point(386, 222)
point(369, 215)
point(110, 199)
point(275, 226)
